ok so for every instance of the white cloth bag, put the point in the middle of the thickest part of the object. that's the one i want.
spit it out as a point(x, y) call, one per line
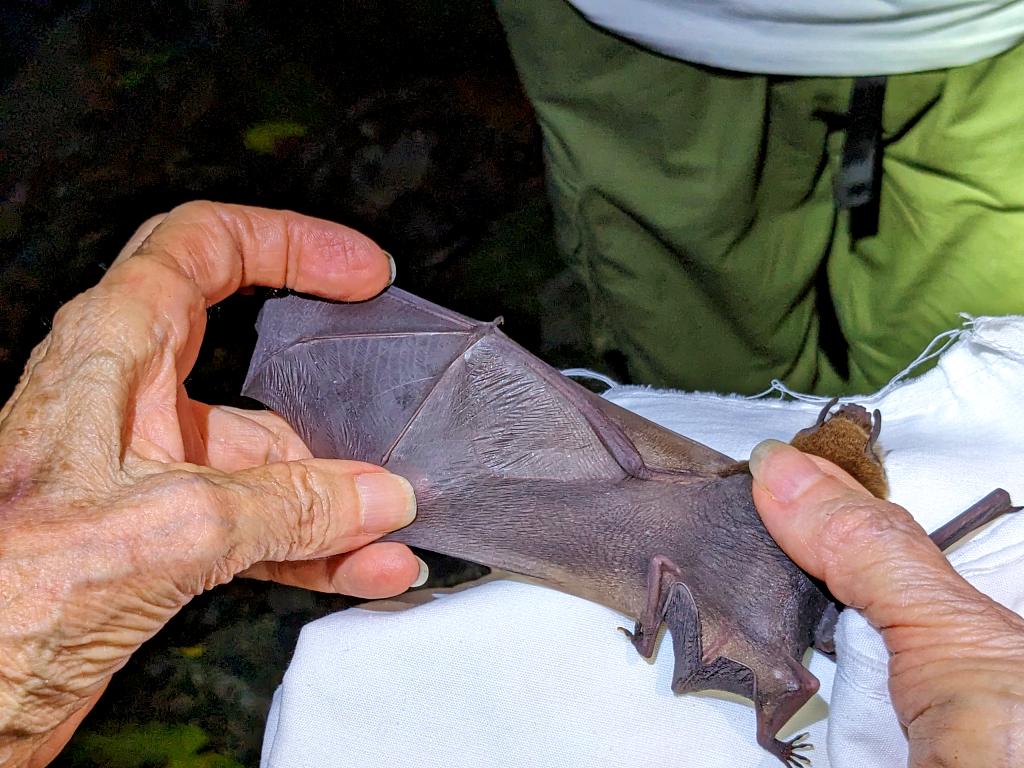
point(514, 674)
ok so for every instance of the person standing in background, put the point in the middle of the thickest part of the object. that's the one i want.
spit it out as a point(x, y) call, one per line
point(777, 189)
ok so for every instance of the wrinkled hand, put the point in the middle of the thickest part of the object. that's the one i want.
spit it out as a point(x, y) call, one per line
point(121, 498)
point(956, 670)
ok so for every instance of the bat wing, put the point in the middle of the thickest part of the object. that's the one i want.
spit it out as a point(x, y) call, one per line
point(398, 373)
point(350, 377)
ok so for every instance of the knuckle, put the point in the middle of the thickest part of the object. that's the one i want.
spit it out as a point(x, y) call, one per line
point(188, 507)
point(196, 212)
point(311, 505)
point(66, 314)
point(196, 238)
point(78, 325)
point(97, 324)
point(861, 534)
point(183, 483)
point(859, 520)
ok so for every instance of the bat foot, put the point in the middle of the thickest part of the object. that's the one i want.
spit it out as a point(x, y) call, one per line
point(664, 581)
point(790, 752)
point(640, 639)
point(778, 695)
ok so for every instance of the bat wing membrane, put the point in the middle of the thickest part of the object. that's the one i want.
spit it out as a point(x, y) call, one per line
point(497, 413)
point(350, 377)
point(357, 380)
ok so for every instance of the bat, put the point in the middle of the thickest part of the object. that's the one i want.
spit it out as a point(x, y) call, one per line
point(517, 467)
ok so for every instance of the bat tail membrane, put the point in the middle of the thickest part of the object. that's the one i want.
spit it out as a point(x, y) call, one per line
point(779, 688)
point(777, 684)
point(670, 600)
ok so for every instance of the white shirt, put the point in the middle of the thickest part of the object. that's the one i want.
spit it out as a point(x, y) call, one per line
point(817, 37)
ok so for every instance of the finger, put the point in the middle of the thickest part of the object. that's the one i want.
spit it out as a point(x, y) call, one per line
point(202, 252)
point(378, 570)
point(136, 240)
point(952, 649)
point(234, 439)
point(871, 553)
point(139, 331)
point(313, 508)
point(219, 248)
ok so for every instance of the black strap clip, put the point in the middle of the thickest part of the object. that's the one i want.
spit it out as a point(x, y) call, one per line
point(859, 182)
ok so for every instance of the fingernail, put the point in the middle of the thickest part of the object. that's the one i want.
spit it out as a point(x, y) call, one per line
point(394, 269)
point(782, 470)
point(424, 574)
point(387, 501)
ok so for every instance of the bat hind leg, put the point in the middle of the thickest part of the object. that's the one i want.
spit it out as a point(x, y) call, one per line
point(664, 583)
point(778, 687)
point(669, 601)
point(777, 697)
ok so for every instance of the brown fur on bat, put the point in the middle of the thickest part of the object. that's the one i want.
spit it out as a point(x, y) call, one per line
point(519, 468)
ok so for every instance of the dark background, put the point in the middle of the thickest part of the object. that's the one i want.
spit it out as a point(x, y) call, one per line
point(402, 119)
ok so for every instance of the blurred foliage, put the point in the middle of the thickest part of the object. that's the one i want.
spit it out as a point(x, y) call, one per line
point(264, 137)
point(173, 746)
point(402, 119)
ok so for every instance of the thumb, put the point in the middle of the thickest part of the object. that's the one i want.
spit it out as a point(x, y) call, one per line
point(955, 655)
point(870, 553)
point(313, 508)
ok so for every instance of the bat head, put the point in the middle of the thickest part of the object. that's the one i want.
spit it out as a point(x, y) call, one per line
point(848, 438)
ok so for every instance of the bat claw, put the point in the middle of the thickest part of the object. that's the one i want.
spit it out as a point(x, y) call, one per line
point(800, 741)
point(635, 635)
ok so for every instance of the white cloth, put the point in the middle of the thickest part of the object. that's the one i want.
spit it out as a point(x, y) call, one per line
point(817, 37)
point(515, 674)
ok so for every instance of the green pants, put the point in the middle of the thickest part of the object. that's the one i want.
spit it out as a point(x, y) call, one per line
point(697, 207)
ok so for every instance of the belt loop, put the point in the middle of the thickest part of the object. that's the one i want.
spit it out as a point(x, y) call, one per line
point(859, 182)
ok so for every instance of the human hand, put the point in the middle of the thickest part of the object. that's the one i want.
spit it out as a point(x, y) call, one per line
point(121, 498)
point(956, 668)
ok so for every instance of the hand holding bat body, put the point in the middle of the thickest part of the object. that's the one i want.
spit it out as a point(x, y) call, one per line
point(956, 670)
